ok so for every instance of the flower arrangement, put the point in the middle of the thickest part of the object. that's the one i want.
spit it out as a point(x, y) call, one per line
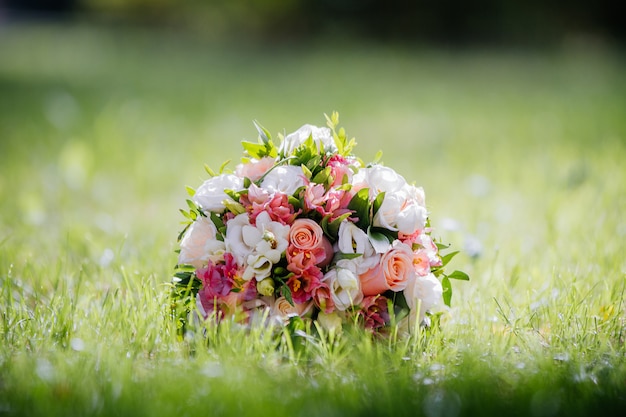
point(307, 230)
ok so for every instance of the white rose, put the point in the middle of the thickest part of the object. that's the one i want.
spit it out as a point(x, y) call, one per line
point(425, 291)
point(211, 193)
point(402, 210)
point(200, 244)
point(378, 179)
point(320, 135)
point(345, 288)
point(285, 179)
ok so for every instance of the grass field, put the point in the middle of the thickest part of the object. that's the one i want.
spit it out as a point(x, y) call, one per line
point(521, 155)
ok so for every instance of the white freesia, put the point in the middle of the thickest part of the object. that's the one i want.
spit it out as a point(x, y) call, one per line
point(425, 291)
point(345, 288)
point(234, 241)
point(199, 244)
point(210, 195)
point(352, 240)
point(268, 241)
point(285, 179)
point(321, 135)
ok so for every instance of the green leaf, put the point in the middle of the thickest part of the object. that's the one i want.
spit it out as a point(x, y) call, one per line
point(377, 203)
point(360, 205)
point(460, 275)
point(442, 246)
point(263, 133)
point(446, 258)
point(209, 170)
point(322, 176)
point(378, 157)
point(447, 291)
point(255, 150)
point(190, 191)
point(379, 241)
point(339, 256)
point(332, 229)
point(285, 291)
point(223, 166)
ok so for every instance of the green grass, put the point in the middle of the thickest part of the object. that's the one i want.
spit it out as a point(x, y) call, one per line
point(100, 131)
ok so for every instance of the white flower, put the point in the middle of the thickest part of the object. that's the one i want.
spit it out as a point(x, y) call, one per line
point(320, 135)
point(345, 288)
point(210, 195)
point(200, 244)
point(378, 179)
point(234, 240)
point(425, 291)
point(352, 240)
point(257, 247)
point(402, 210)
point(285, 179)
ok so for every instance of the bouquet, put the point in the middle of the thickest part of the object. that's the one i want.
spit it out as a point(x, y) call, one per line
point(306, 230)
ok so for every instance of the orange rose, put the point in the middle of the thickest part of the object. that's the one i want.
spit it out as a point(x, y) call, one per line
point(392, 273)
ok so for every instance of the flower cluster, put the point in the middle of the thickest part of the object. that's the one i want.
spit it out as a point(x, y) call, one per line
point(305, 229)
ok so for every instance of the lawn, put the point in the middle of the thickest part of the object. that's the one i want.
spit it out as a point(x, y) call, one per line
point(520, 154)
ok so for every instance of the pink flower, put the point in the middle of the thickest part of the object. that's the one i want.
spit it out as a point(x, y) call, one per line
point(315, 197)
point(215, 283)
point(256, 168)
point(392, 273)
point(337, 203)
point(275, 204)
point(339, 168)
point(323, 298)
point(302, 285)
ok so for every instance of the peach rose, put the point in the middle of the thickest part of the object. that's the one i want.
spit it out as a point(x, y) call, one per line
point(392, 273)
point(306, 235)
point(282, 310)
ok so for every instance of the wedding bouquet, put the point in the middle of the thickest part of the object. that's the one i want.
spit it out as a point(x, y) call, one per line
point(305, 229)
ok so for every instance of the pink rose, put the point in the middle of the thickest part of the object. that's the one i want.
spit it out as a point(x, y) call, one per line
point(392, 273)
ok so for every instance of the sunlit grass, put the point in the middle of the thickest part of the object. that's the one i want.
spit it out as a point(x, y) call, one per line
point(521, 156)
